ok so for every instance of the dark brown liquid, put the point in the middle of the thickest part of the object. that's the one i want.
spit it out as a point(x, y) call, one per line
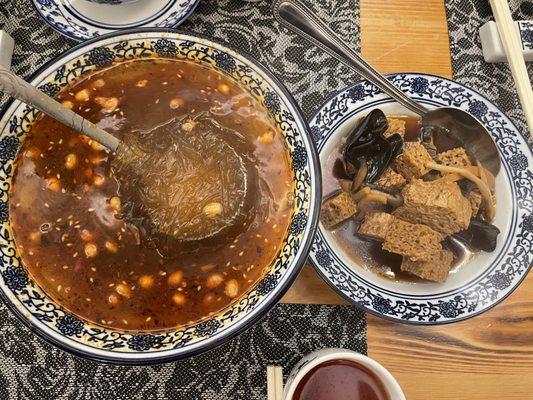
point(366, 251)
point(73, 241)
point(340, 380)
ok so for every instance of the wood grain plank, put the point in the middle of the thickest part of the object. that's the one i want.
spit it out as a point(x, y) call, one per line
point(310, 288)
point(406, 36)
point(488, 357)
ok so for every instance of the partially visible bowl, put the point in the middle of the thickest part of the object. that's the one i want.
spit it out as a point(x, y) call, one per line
point(87, 19)
point(316, 358)
point(47, 318)
point(483, 281)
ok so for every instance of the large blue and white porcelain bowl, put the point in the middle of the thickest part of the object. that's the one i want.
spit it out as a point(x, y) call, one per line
point(487, 278)
point(46, 317)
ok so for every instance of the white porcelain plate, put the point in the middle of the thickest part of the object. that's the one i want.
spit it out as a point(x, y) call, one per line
point(483, 281)
point(85, 19)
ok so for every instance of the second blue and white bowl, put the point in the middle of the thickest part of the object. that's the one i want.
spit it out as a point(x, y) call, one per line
point(489, 277)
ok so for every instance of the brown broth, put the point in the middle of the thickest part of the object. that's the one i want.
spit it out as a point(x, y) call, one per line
point(65, 223)
point(368, 252)
point(340, 380)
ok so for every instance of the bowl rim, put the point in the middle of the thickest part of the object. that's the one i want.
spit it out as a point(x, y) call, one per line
point(297, 264)
point(371, 310)
point(81, 40)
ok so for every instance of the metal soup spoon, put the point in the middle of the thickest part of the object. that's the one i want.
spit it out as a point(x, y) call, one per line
point(460, 124)
point(133, 162)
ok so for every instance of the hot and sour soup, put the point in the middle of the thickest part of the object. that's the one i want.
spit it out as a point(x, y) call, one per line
point(66, 209)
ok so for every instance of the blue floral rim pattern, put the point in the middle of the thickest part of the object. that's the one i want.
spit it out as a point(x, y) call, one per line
point(493, 283)
point(66, 21)
point(34, 306)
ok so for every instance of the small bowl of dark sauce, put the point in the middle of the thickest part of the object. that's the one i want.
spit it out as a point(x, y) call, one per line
point(339, 374)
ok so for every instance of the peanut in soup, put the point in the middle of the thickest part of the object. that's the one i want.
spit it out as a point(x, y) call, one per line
point(65, 204)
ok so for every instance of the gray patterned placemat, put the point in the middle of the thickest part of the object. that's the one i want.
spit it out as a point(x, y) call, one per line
point(493, 80)
point(32, 369)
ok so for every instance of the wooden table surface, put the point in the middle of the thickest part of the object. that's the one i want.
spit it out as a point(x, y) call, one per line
point(489, 357)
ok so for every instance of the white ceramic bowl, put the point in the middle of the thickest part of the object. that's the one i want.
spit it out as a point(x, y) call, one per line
point(483, 281)
point(394, 391)
point(87, 19)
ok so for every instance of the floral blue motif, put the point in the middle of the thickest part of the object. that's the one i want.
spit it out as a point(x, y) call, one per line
point(527, 224)
point(8, 148)
point(272, 102)
point(165, 48)
point(69, 325)
point(448, 309)
point(267, 285)
point(478, 108)
point(106, 1)
point(51, 89)
point(207, 328)
point(299, 158)
point(518, 162)
point(316, 133)
point(323, 258)
point(100, 56)
point(298, 224)
point(420, 85)
point(45, 3)
point(381, 305)
point(15, 278)
point(225, 62)
point(357, 92)
point(143, 342)
point(4, 211)
point(500, 281)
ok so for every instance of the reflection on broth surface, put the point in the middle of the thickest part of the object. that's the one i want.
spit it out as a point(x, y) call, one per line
point(68, 216)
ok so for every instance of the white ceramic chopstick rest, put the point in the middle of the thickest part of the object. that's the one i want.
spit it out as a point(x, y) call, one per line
point(7, 45)
point(492, 46)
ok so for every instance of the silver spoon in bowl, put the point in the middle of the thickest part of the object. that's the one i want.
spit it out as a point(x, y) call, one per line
point(166, 219)
point(457, 123)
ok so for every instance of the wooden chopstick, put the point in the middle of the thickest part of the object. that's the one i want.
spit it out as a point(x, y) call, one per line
point(513, 50)
point(274, 382)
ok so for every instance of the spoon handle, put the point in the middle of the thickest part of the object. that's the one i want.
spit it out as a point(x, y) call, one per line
point(301, 20)
point(16, 87)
